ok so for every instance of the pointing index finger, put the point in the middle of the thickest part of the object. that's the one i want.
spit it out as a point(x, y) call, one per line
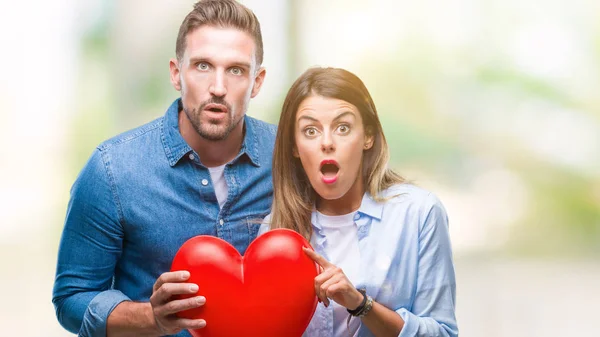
point(317, 258)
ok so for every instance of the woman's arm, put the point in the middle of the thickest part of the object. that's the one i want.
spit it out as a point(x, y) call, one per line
point(433, 309)
point(432, 312)
point(382, 321)
point(333, 284)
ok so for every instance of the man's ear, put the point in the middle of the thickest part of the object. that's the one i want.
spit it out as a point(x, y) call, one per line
point(174, 70)
point(258, 81)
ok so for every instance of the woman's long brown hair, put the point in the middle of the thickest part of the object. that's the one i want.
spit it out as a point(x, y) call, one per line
point(293, 196)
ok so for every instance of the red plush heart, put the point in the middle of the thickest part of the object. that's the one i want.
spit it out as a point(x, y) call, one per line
point(269, 292)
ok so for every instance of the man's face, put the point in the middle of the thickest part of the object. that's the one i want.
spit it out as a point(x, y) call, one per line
point(217, 76)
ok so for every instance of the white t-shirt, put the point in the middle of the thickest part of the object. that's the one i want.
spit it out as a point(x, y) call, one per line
point(217, 174)
point(342, 250)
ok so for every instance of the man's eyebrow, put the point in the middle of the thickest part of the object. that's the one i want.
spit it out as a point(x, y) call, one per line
point(197, 59)
point(242, 64)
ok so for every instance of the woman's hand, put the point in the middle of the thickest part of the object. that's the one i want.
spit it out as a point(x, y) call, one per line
point(333, 284)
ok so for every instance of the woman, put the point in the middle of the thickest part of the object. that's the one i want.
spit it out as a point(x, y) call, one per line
point(382, 244)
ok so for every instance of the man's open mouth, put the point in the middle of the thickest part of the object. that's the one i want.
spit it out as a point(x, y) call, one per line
point(216, 108)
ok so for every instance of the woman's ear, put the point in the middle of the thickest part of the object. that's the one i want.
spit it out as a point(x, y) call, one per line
point(369, 138)
point(295, 152)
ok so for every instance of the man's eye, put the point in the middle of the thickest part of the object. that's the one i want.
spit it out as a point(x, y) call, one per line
point(236, 71)
point(203, 66)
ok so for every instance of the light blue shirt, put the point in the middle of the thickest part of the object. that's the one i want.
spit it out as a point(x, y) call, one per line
point(405, 262)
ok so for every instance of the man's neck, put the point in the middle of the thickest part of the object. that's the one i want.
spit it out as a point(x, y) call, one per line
point(212, 153)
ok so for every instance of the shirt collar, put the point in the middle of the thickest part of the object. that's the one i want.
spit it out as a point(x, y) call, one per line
point(368, 206)
point(371, 207)
point(176, 147)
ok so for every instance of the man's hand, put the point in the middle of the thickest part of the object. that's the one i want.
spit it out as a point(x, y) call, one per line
point(165, 306)
point(333, 283)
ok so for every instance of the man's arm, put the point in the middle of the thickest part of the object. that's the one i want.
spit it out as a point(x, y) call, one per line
point(90, 247)
point(132, 319)
point(158, 317)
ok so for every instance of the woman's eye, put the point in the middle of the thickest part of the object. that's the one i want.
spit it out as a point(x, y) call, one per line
point(343, 128)
point(310, 132)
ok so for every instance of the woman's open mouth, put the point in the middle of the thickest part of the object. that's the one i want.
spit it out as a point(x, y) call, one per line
point(329, 171)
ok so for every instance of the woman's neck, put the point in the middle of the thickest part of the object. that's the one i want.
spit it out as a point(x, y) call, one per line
point(348, 203)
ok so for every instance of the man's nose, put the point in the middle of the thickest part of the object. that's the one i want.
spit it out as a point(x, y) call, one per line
point(218, 87)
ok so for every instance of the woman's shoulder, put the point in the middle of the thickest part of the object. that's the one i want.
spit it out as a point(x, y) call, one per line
point(409, 194)
point(408, 201)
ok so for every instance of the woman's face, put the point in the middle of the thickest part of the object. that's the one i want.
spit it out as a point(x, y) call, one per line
point(330, 140)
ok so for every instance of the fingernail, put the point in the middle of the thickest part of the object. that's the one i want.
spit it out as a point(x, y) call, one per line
point(193, 288)
point(200, 300)
point(202, 324)
point(185, 275)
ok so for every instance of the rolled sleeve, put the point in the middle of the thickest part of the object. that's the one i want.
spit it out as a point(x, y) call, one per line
point(96, 315)
point(424, 326)
point(411, 323)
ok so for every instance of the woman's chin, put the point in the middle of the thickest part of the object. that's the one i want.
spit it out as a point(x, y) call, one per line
point(329, 193)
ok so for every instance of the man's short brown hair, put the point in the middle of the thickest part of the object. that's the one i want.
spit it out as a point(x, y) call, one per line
point(220, 13)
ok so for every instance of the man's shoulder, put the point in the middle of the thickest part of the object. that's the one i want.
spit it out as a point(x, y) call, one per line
point(263, 128)
point(132, 138)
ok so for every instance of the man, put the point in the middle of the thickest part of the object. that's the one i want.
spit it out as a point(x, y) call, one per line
point(204, 168)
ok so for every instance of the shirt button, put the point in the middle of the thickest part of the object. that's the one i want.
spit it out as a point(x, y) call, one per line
point(221, 222)
point(192, 156)
point(204, 182)
point(356, 216)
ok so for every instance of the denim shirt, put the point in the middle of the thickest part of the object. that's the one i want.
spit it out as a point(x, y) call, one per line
point(405, 263)
point(140, 196)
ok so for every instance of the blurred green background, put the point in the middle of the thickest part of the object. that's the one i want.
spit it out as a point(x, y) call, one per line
point(493, 105)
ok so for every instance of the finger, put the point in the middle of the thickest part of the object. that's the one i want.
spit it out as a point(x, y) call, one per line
point(317, 258)
point(186, 323)
point(325, 286)
point(325, 275)
point(336, 287)
point(320, 289)
point(330, 287)
point(175, 306)
point(321, 295)
point(317, 285)
point(171, 277)
point(167, 290)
